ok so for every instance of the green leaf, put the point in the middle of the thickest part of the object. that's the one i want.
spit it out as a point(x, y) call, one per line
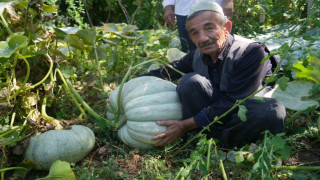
point(242, 113)
point(185, 172)
point(305, 72)
point(239, 157)
point(309, 37)
point(285, 152)
point(202, 168)
point(67, 71)
point(30, 51)
point(278, 142)
point(260, 99)
point(284, 49)
point(231, 156)
point(15, 43)
point(250, 157)
point(60, 170)
point(75, 42)
point(11, 137)
point(174, 54)
point(101, 52)
point(18, 42)
point(51, 9)
point(5, 51)
point(283, 83)
point(292, 97)
point(29, 165)
point(88, 36)
point(59, 33)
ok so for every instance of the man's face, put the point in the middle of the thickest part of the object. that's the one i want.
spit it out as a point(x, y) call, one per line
point(206, 32)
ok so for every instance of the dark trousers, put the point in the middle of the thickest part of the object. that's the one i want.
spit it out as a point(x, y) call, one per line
point(196, 93)
point(186, 43)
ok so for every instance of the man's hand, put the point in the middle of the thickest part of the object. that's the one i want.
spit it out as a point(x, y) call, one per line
point(169, 15)
point(227, 6)
point(174, 131)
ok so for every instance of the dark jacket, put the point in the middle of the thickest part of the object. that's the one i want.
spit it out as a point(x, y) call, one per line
point(237, 73)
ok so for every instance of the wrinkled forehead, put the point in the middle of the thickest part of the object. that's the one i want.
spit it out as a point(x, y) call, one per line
point(201, 16)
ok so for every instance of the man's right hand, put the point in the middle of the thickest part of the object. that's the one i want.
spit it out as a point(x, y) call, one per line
point(169, 15)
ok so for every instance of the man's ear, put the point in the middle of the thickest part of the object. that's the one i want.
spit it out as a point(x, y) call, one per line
point(228, 26)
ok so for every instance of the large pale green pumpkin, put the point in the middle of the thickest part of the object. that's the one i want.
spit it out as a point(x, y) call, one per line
point(144, 100)
point(70, 145)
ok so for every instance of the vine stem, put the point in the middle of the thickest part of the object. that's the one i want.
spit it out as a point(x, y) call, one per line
point(223, 171)
point(3, 159)
point(43, 110)
point(209, 155)
point(12, 119)
point(24, 81)
point(98, 65)
point(297, 168)
point(9, 131)
point(72, 95)
point(6, 24)
point(3, 170)
point(12, 168)
point(86, 106)
point(47, 75)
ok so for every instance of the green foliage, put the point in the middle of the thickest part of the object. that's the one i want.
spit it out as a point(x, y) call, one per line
point(242, 113)
point(60, 170)
point(146, 15)
point(248, 15)
point(78, 53)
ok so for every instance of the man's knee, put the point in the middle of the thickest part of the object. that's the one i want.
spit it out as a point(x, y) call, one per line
point(271, 113)
point(191, 82)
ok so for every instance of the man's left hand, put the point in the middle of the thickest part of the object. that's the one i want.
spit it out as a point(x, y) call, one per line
point(174, 131)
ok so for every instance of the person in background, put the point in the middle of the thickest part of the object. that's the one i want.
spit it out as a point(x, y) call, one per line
point(179, 9)
point(223, 69)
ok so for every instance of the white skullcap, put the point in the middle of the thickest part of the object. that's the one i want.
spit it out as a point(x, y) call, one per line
point(206, 6)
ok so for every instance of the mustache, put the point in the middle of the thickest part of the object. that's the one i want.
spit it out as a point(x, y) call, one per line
point(211, 41)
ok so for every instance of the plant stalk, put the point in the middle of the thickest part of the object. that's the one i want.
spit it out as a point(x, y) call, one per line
point(86, 106)
point(209, 155)
point(4, 22)
point(43, 110)
point(72, 95)
point(24, 81)
point(12, 168)
point(98, 65)
point(46, 76)
point(297, 168)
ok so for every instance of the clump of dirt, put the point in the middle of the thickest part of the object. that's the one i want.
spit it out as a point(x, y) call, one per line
point(133, 164)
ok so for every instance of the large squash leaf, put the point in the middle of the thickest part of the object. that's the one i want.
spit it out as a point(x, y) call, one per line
point(174, 54)
point(13, 44)
point(60, 170)
point(294, 96)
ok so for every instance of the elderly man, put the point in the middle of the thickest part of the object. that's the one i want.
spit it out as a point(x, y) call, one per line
point(179, 9)
point(224, 68)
